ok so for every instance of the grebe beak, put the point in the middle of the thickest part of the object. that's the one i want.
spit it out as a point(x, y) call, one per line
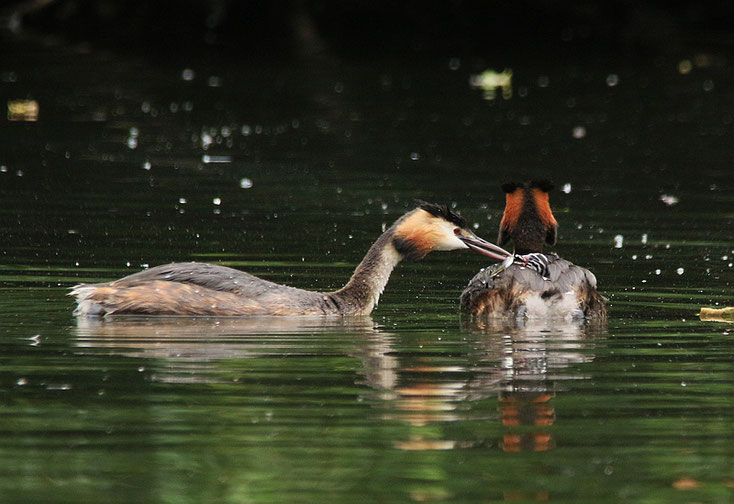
point(485, 248)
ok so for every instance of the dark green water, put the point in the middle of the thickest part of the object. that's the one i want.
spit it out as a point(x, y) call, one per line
point(413, 403)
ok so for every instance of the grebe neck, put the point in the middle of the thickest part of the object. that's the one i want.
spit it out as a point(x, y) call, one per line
point(361, 294)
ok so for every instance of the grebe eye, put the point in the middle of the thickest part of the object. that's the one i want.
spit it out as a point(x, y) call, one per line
point(457, 231)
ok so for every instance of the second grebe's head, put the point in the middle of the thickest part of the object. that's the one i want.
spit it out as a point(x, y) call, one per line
point(528, 220)
point(433, 227)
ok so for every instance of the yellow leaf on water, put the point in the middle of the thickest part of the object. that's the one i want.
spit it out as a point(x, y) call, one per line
point(23, 110)
point(717, 314)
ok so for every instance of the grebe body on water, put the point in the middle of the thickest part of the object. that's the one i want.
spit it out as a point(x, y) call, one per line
point(530, 283)
point(208, 289)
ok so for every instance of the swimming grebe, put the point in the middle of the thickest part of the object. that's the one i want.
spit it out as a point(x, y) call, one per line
point(530, 283)
point(207, 289)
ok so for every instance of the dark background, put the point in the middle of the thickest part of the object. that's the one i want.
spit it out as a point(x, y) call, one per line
point(362, 28)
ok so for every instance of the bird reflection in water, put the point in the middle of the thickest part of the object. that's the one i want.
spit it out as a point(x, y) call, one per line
point(190, 346)
point(522, 367)
point(534, 358)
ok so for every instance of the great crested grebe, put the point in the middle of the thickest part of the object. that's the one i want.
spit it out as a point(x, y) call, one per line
point(529, 283)
point(207, 289)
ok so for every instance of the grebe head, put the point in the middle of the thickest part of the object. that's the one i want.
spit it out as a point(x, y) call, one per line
point(528, 220)
point(435, 227)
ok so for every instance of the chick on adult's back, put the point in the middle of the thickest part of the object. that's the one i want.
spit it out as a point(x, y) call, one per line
point(530, 283)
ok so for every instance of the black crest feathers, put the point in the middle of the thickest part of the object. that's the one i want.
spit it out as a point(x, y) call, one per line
point(509, 187)
point(443, 212)
point(544, 185)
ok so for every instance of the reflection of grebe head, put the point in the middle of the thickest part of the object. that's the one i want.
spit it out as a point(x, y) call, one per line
point(431, 227)
point(528, 220)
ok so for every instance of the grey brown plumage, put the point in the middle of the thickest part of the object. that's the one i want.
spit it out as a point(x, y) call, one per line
point(207, 289)
point(569, 291)
point(540, 286)
point(198, 289)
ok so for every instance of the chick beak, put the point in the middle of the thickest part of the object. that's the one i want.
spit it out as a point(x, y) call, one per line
point(485, 248)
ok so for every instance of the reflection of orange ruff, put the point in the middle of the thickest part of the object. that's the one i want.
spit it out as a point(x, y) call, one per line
point(518, 495)
point(529, 442)
point(519, 411)
point(424, 403)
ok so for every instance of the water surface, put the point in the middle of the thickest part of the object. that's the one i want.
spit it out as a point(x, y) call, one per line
point(289, 170)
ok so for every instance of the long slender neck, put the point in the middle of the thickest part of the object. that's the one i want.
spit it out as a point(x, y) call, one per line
point(361, 294)
point(529, 231)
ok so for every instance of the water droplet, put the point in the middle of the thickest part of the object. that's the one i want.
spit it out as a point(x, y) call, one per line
point(566, 188)
point(182, 201)
point(680, 271)
point(669, 199)
point(21, 381)
point(217, 201)
point(146, 165)
point(214, 81)
point(245, 183)
point(657, 271)
point(414, 156)
point(206, 140)
point(612, 80)
point(59, 386)
point(454, 64)
point(618, 241)
point(579, 132)
point(206, 159)
point(188, 74)
point(643, 239)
